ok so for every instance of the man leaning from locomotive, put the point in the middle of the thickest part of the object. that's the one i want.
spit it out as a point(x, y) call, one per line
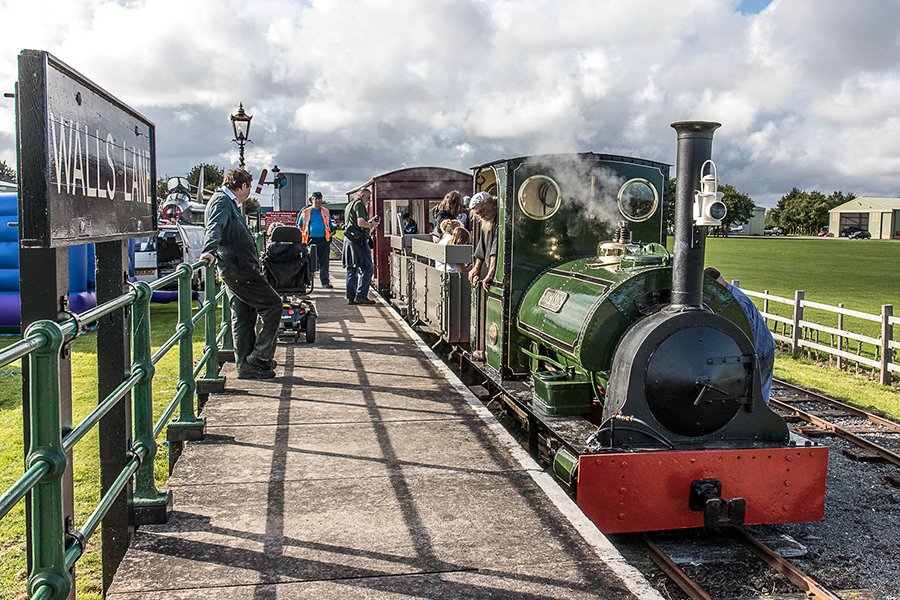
point(483, 207)
point(229, 245)
point(315, 224)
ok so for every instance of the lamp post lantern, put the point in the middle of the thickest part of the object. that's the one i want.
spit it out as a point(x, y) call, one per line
point(240, 122)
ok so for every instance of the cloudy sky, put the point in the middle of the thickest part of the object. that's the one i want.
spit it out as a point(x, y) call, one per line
point(807, 91)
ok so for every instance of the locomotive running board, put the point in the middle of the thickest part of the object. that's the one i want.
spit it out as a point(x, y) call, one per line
point(650, 491)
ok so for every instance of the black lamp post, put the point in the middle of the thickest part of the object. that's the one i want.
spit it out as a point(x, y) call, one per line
point(241, 125)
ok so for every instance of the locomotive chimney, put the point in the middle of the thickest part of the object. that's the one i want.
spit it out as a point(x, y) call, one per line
point(694, 148)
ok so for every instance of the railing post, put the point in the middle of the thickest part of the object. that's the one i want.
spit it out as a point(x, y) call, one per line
point(887, 334)
point(115, 431)
point(47, 531)
point(226, 353)
point(188, 426)
point(211, 382)
point(840, 326)
point(798, 316)
point(150, 506)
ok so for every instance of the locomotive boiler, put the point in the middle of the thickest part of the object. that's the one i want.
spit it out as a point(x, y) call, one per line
point(635, 376)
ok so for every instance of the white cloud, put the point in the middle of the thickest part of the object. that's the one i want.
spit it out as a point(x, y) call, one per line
point(805, 90)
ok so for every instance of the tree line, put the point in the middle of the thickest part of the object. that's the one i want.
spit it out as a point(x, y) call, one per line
point(805, 213)
point(7, 173)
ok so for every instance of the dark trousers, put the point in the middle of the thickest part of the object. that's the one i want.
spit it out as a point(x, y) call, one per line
point(323, 253)
point(358, 261)
point(251, 296)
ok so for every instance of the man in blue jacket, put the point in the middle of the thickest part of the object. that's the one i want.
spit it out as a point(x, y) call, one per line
point(229, 245)
point(762, 337)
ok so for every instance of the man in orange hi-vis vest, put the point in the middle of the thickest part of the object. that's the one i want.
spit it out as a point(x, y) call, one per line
point(315, 223)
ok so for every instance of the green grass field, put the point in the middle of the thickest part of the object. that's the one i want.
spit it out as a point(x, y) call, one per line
point(86, 453)
point(861, 274)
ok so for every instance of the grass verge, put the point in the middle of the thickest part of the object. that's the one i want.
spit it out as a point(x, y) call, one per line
point(86, 458)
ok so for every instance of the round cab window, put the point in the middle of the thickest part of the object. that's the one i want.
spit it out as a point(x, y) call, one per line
point(539, 197)
point(638, 200)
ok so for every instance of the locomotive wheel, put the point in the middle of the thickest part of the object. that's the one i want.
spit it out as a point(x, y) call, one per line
point(310, 329)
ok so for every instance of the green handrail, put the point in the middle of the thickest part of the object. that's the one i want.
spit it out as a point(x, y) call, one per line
point(54, 550)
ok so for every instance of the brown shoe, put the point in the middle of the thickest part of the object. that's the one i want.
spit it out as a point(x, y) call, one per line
point(364, 300)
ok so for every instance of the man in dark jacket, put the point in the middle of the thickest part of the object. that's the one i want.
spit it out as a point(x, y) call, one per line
point(229, 245)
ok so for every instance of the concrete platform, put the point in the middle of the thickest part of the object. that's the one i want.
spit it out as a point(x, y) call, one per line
point(365, 470)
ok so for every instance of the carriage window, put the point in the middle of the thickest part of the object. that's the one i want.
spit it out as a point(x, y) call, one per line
point(539, 197)
point(638, 200)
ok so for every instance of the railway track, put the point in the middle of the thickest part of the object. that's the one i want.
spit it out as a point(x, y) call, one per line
point(694, 589)
point(876, 436)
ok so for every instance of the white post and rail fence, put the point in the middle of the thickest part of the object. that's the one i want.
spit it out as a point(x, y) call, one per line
point(863, 339)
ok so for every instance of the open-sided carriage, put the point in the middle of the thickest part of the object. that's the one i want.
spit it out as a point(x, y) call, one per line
point(289, 265)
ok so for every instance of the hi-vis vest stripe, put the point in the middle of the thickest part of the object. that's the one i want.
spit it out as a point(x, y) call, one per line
point(304, 218)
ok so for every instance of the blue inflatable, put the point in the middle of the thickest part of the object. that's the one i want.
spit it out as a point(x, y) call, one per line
point(81, 270)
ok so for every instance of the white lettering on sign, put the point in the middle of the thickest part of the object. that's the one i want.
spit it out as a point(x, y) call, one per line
point(110, 189)
point(78, 169)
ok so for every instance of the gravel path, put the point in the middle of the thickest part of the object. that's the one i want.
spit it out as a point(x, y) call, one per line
point(857, 544)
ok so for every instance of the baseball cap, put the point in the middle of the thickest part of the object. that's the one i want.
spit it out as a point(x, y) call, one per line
point(317, 195)
point(478, 199)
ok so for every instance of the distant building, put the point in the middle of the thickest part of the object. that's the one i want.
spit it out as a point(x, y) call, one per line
point(757, 223)
point(8, 186)
point(878, 216)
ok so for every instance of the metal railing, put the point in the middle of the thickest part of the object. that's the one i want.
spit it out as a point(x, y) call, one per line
point(800, 333)
point(55, 548)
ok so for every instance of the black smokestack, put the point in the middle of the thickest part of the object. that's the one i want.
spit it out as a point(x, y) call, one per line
point(694, 148)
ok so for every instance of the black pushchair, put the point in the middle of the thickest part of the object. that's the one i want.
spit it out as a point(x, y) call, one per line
point(289, 266)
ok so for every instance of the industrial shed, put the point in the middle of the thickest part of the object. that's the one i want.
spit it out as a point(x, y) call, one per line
point(878, 216)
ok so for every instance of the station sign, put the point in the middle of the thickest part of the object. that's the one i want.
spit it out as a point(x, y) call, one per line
point(87, 161)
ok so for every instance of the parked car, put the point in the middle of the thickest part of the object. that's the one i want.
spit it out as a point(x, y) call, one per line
point(156, 257)
point(860, 235)
point(846, 231)
point(773, 231)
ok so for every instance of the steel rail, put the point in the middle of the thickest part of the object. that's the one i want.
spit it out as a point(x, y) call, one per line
point(810, 586)
point(681, 579)
point(881, 451)
point(857, 412)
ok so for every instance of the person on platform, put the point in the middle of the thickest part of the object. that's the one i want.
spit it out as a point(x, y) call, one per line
point(315, 224)
point(762, 337)
point(229, 246)
point(357, 257)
